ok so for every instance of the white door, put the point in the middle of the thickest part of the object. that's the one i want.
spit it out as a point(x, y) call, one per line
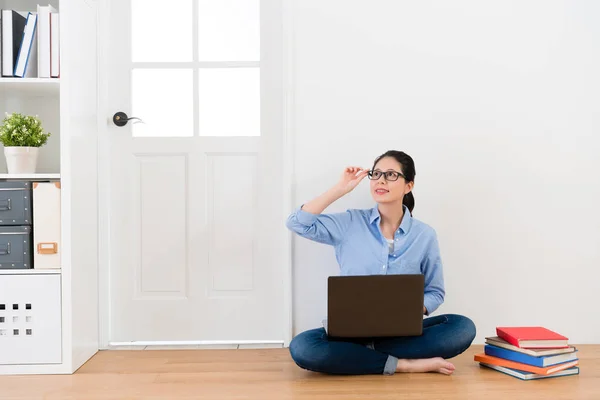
point(196, 192)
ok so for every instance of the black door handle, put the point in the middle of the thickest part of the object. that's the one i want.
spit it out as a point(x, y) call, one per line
point(121, 119)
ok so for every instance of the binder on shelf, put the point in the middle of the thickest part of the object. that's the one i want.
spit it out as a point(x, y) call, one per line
point(46, 225)
point(13, 26)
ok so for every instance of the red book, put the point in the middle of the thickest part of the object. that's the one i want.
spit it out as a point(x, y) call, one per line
point(532, 337)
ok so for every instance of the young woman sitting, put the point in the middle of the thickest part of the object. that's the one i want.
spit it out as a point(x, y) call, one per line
point(364, 241)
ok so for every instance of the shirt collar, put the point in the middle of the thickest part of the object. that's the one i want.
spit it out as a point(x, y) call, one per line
point(406, 219)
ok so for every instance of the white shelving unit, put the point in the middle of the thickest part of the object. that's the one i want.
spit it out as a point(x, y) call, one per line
point(62, 304)
point(30, 82)
point(29, 271)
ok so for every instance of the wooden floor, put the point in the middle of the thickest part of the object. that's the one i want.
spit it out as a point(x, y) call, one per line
point(270, 374)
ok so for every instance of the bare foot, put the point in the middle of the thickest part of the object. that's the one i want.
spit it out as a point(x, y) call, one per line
point(436, 364)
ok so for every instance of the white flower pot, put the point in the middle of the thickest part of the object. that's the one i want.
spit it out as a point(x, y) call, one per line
point(21, 160)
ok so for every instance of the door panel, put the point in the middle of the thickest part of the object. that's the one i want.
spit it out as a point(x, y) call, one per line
point(231, 251)
point(162, 239)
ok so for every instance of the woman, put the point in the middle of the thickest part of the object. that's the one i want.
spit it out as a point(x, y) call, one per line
point(383, 240)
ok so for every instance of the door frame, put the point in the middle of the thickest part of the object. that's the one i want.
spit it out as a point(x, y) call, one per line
point(104, 212)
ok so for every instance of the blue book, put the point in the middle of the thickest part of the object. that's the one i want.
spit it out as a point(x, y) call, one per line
point(542, 361)
point(28, 48)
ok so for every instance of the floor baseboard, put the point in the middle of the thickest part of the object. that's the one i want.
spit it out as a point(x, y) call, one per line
point(195, 345)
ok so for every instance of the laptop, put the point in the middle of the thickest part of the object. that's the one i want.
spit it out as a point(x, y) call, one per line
point(371, 306)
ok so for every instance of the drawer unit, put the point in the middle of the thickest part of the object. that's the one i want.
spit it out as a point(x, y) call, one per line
point(15, 203)
point(30, 319)
point(16, 247)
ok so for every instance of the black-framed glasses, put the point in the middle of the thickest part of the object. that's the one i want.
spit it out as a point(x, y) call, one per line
point(388, 175)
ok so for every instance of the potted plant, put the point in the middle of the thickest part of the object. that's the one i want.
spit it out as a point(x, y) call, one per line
point(22, 136)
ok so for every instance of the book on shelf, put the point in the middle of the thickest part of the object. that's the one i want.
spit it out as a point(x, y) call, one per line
point(54, 45)
point(26, 61)
point(44, 51)
point(30, 43)
point(13, 26)
point(529, 353)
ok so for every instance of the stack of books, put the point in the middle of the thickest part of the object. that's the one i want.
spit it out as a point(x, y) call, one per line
point(529, 353)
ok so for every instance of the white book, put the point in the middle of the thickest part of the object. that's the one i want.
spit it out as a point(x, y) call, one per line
point(6, 44)
point(44, 40)
point(26, 65)
point(54, 45)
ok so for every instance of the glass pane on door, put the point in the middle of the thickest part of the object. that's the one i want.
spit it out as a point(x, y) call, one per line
point(229, 101)
point(163, 99)
point(229, 30)
point(161, 31)
point(168, 66)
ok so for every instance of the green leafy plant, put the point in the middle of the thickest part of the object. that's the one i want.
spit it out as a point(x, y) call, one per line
point(22, 131)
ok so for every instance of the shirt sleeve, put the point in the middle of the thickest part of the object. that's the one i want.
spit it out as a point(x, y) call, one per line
point(322, 228)
point(434, 277)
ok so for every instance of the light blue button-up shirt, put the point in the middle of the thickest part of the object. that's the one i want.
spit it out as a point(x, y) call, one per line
point(361, 248)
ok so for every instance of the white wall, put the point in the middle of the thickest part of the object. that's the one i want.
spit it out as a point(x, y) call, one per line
point(499, 104)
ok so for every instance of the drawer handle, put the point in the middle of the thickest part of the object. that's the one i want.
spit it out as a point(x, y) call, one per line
point(4, 252)
point(6, 207)
point(47, 248)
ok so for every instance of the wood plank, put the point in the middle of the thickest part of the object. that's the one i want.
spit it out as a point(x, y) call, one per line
point(271, 374)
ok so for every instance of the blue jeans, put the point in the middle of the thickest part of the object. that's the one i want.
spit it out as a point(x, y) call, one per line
point(443, 336)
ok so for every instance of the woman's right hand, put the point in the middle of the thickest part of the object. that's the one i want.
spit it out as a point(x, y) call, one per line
point(351, 177)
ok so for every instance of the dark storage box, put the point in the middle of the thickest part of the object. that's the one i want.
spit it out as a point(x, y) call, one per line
point(15, 247)
point(15, 203)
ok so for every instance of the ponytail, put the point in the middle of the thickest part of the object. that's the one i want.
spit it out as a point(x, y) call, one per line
point(409, 201)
